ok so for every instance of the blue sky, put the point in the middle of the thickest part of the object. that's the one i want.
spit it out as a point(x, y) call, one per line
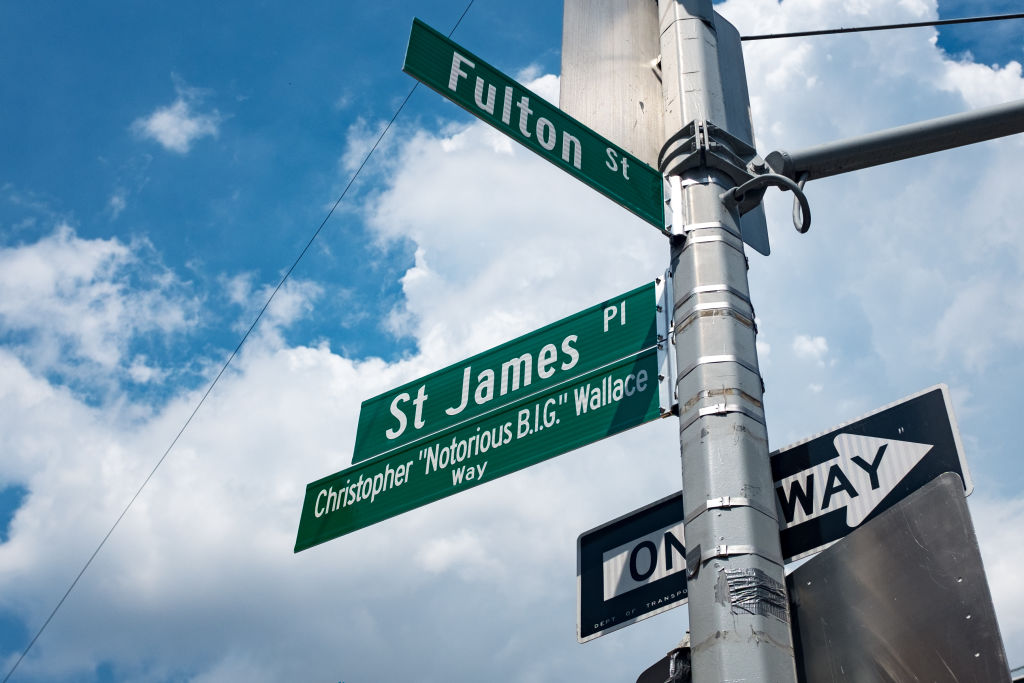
point(162, 166)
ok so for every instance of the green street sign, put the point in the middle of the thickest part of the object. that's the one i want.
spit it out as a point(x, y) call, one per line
point(533, 363)
point(586, 409)
point(529, 119)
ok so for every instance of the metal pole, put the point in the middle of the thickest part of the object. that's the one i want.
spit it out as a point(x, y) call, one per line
point(739, 619)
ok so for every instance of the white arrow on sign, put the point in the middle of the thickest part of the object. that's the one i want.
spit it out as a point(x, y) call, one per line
point(866, 470)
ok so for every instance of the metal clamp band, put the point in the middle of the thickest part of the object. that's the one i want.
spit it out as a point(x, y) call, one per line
point(695, 559)
point(705, 239)
point(713, 289)
point(708, 360)
point(708, 225)
point(727, 502)
point(723, 409)
point(725, 306)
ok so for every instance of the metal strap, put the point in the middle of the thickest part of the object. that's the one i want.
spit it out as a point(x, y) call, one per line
point(704, 239)
point(707, 360)
point(711, 289)
point(723, 409)
point(709, 225)
point(695, 559)
point(727, 502)
point(726, 306)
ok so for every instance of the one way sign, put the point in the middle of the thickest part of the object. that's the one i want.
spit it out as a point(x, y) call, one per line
point(828, 485)
point(825, 486)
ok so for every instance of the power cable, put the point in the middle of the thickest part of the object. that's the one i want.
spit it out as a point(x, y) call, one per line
point(886, 27)
point(224, 367)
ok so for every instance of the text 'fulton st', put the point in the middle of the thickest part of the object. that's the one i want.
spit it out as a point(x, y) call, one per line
point(485, 96)
point(535, 123)
point(465, 455)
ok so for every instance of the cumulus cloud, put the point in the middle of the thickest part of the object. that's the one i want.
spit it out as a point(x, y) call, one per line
point(810, 348)
point(178, 125)
point(68, 300)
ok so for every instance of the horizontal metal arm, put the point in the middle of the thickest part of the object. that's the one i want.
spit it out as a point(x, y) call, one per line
point(899, 143)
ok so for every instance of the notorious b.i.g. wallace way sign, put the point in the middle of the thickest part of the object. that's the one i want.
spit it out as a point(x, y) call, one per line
point(571, 383)
point(530, 120)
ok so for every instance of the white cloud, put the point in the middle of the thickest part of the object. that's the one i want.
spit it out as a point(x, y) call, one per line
point(141, 372)
point(810, 348)
point(998, 524)
point(77, 300)
point(293, 301)
point(178, 125)
point(117, 203)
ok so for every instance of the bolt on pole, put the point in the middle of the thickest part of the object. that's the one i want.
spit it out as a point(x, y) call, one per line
point(739, 615)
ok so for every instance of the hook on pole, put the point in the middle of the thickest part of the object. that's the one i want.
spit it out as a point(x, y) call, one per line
point(801, 208)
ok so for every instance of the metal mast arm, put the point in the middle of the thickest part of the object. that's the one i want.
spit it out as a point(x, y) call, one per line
point(903, 142)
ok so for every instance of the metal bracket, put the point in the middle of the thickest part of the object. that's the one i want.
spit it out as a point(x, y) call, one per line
point(697, 558)
point(723, 409)
point(723, 358)
point(727, 240)
point(666, 342)
point(714, 289)
point(727, 502)
point(703, 145)
point(724, 307)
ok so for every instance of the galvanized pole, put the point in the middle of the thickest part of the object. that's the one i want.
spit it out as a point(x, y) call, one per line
point(739, 618)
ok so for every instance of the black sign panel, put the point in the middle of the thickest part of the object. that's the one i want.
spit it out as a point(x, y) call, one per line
point(826, 486)
point(630, 568)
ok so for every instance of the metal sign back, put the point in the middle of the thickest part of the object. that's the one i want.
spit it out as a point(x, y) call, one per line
point(610, 78)
point(611, 81)
point(902, 599)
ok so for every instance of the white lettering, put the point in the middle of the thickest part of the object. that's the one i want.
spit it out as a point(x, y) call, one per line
point(488, 104)
point(546, 135)
point(573, 354)
point(457, 72)
point(569, 143)
point(421, 396)
point(399, 415)
point(455, 410)
point(524, 362)
point(506, 108)
point(613, 157)
point(524, 115)
point(609, 315)
point(547, 356)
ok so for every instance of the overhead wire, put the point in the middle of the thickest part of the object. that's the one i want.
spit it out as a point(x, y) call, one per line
point(224, 367)
point(884, 27)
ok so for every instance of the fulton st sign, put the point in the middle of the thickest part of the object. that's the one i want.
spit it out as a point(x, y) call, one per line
point(571, 383)
point(530, 120)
